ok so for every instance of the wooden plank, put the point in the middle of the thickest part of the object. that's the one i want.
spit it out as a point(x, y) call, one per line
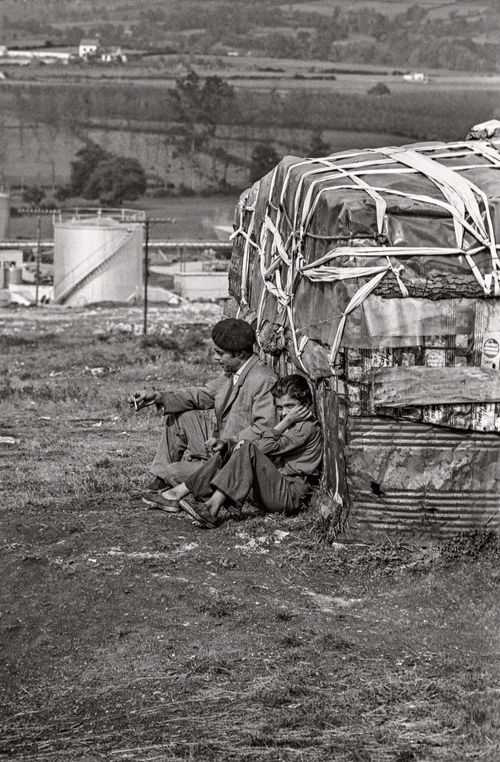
point(399, 387)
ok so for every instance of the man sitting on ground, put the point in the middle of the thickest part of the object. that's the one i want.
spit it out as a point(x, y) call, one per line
point(240, 396)
point(277, 470)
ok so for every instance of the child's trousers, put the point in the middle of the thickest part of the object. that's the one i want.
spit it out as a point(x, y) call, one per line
point(249, 470)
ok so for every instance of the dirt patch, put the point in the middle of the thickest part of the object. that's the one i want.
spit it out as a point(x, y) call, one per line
point(132, 635)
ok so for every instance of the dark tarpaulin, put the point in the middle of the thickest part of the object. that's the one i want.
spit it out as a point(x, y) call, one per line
point(313, 201)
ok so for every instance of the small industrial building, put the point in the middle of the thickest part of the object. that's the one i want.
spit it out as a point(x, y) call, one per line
point(11, 266)
point(416, 76)
point(11, 258)
point(111, 55)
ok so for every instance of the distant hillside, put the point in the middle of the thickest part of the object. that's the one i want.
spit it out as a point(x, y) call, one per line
point(432, 34)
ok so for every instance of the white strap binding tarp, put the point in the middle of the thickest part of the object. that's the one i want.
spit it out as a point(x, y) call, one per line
point(283, 230)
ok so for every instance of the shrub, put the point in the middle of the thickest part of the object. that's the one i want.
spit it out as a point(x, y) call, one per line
point(379, 89)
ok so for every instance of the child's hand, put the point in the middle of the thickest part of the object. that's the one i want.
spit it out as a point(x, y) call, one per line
point(214, 445)
point(298, 414)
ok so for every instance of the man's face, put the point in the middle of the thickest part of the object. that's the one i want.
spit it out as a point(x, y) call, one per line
point(229, 361)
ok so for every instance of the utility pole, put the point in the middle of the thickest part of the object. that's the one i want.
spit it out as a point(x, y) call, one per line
point(38, 239)
point(146, 275)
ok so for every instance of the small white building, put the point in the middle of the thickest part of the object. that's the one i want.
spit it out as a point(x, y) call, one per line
point(47, 56)
point(88, 48)
point(11, 258)
point(416, 76)
point(113, 55)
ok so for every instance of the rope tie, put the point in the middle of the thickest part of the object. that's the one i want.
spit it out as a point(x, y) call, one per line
point(396, 271)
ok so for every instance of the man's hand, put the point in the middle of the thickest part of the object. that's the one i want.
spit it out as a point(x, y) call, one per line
point(147, 397)
point(214, 445)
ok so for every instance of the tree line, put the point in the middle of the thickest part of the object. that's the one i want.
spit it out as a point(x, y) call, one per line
point(461, 38)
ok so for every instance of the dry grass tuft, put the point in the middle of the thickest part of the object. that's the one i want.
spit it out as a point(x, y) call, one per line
point(208, 663)
point(471, 546)
point(284, 615)
point(330, 641)
point(218, 606)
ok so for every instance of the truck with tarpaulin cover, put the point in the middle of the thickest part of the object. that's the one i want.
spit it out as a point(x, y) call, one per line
point(377, 274)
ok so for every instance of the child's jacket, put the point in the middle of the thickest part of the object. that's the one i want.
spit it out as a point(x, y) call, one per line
point(298, 451)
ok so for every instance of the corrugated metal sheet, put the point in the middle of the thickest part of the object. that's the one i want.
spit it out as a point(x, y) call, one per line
point(420, 480)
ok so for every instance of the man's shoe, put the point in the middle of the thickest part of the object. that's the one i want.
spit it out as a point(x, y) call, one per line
point(157, 485)
point(202, 517)
point(160, 503)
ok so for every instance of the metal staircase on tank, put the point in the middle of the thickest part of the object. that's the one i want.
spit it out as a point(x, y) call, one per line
point(94, 272)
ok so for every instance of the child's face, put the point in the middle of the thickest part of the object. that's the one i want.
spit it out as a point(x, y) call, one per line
point(285, 404)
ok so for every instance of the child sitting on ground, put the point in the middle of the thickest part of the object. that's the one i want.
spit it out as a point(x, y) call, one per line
point(278, 469)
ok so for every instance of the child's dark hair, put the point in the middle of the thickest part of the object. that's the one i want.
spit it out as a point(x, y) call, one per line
point(296, 386)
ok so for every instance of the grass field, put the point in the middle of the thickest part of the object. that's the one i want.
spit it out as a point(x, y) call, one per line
point(132, 118)
point(131, 635)
point(162, 71)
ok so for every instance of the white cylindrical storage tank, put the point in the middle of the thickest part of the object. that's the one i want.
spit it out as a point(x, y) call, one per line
point(96, 259)
point(4, 216)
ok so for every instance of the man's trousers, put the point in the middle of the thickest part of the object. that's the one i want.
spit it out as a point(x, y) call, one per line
point(181, 449)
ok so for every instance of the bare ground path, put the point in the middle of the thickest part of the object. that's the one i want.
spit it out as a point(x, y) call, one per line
point(131, 635)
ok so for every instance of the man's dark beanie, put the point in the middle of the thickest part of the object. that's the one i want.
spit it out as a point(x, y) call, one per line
point(233, 335)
